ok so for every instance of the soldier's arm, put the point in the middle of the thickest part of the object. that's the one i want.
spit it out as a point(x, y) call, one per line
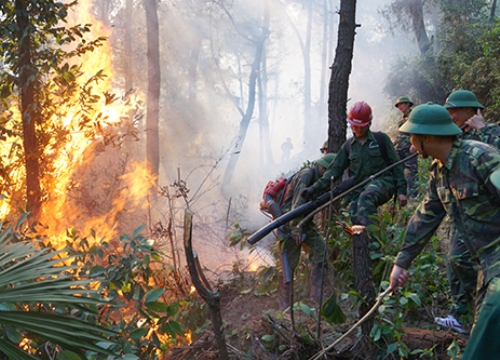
point(490, 134)
point(421, 227)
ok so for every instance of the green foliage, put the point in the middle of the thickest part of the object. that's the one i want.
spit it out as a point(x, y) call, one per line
point(464, 56)
point(44, 305)
point(105, 300)
point(332, 311)
point(143, 317)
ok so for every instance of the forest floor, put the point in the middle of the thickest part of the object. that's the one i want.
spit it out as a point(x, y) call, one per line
point(255, 328)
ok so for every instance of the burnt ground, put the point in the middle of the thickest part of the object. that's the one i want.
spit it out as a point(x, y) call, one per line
point(256, 329)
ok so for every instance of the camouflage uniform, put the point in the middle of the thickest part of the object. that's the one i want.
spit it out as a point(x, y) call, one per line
point(313, 238)
point(461, 189)
point(462, 269)
point(403, 144)
point(364, 160)
point(483, 343)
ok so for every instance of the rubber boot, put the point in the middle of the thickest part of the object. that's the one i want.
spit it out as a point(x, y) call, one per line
point(284, 290)
point(316, 282)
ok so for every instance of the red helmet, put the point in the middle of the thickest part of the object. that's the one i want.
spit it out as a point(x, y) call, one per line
point(360, 114)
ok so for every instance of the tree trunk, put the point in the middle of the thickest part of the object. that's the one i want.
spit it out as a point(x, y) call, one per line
point(29, 108)
point(363, 284)
point(310, 122)
point(255, 70)
point(417, 18)
point(128, 72)
point(339, 81)
point(154, 80)
point(493, 11)
point(265, 152)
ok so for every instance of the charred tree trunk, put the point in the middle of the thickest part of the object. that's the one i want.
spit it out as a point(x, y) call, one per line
point(29, 108)
point(211, 298)
point(339, 81)
point(252, 83)
point(154, 80)
point(363, 284)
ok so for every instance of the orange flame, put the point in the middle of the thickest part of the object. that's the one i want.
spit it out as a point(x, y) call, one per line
point(132, 184)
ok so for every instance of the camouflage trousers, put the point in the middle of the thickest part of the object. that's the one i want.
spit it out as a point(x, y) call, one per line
point(462, 272)
point(365, 203)
point(313, 244)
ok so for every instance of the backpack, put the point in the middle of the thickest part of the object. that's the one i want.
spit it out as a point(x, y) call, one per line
point(380, 141)
point(277, 190)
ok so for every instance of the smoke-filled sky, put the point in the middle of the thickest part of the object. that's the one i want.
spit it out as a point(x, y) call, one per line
point(197, 141)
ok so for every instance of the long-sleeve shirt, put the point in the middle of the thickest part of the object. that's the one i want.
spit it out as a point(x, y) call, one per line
point(489, 134)
point(364, 160)
point(461, 189)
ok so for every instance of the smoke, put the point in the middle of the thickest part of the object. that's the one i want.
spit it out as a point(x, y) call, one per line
point(207, 51)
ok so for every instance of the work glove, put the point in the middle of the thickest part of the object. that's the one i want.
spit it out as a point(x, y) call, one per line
point(308, 193)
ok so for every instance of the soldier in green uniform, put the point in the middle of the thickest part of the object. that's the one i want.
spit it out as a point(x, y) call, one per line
point(460, 187)
point(465, 112)
point(483, 343)
point(403, 145)
point(365, 154)
point(309, 236)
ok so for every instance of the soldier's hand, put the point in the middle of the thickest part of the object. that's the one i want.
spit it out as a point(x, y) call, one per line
point(398, 277)
point(403, 200)
point(308, 193)
point(476, 121)
point(297, 236)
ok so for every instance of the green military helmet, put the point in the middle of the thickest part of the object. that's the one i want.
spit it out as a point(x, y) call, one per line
point(462, 99)
point(403, 99)
point(495, 178)
point(430, 119)
point(326, 160)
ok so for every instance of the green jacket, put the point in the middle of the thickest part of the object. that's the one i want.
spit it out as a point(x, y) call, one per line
point(363, 161)
point(292, 197)
point(461, 189)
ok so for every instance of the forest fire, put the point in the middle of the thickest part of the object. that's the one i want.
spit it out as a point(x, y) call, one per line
point(92, 154)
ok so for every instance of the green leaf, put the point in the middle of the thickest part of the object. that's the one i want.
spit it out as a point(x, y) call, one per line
point(332, 312)
point(68, 355)
point(154, 295)
point(269, 337)
point(139, 333)
point(157, 306)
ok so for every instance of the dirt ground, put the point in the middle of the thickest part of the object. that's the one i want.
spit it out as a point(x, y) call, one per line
point(249, 318)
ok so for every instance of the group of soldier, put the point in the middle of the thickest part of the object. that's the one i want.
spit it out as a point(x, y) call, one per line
point(463, 185)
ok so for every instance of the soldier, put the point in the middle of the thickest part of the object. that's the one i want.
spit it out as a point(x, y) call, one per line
point(460, 187)
point(465, 112)
point(309, 235)
point(365, 154)
point(483, 343)
point(402, 144)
